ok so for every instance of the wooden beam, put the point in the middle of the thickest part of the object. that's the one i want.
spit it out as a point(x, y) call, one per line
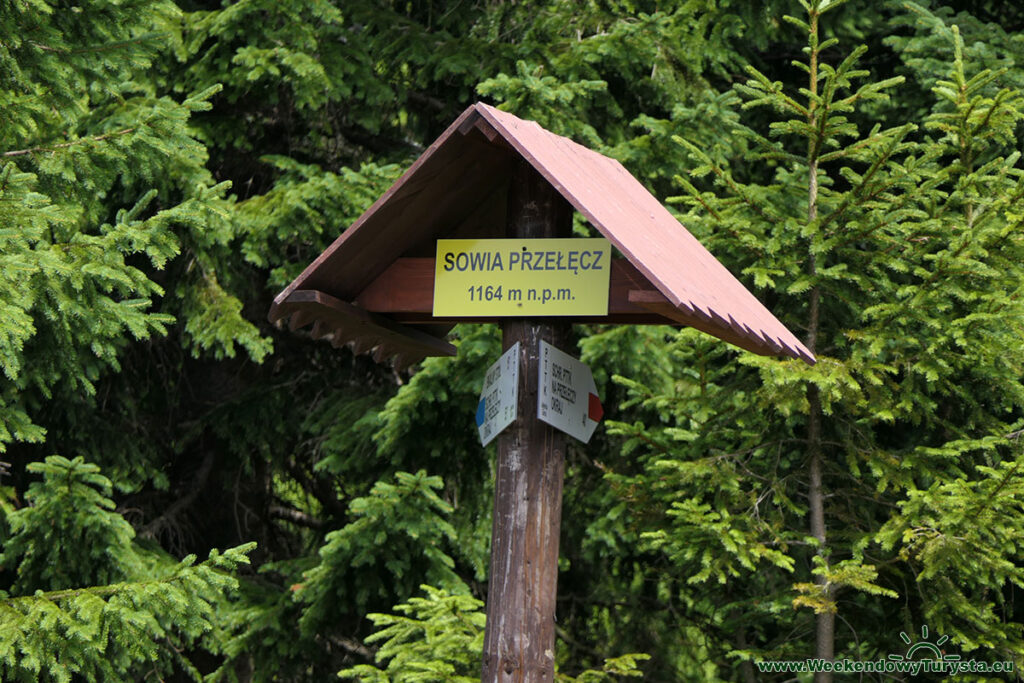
point(403, 297)
point(349, 322)
point(661, 306)
point(405, 292)
point(300, 319)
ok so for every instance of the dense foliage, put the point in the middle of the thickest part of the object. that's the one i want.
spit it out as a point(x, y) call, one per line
point(166, 167)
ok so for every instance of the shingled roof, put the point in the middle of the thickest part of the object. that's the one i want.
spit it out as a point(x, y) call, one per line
point(456, 189)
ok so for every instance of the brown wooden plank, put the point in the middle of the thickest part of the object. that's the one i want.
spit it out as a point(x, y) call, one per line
point(349, 322)
point(405, 291)
point(409, 184)
point(487, 129)
point(660, 305)
point(320, 328)
point(364, 345)
point(407, 286)
point(403, 360)
point(411, 217)
point(300, 319)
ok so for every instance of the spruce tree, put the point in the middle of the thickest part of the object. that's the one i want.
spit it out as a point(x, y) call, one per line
point(132, 324)
point(440, 637)
point(90, 604)
point(102, 187)
point(821, 500)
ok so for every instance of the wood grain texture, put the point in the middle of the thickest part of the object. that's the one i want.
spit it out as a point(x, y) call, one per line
point(519, 640)
point(365, 330)
point(405, 293)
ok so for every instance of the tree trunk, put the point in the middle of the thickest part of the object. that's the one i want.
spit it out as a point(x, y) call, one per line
point(826, 620)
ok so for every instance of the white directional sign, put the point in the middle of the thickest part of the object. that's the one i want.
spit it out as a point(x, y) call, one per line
point(500, 396)
point(566, 394)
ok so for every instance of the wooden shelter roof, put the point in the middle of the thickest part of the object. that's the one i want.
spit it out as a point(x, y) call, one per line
point(372, 287)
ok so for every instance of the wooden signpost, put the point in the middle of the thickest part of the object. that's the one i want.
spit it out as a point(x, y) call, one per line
point(519, 639)
point(396, 281)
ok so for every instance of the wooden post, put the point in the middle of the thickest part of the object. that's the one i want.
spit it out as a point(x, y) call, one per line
point(519, 642)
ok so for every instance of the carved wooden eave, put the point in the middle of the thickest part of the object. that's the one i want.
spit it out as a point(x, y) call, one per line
point(373, 287)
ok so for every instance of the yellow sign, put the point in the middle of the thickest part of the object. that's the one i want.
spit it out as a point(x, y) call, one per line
point(522, 277)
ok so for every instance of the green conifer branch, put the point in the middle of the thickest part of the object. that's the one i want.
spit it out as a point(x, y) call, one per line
point(65, 145)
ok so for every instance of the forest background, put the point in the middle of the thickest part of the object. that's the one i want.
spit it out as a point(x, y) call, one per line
point(166, 168)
